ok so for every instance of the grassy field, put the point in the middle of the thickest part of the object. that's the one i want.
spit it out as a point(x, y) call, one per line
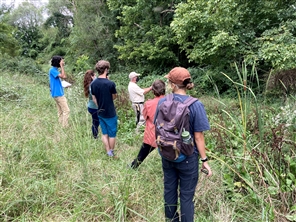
point(53, 174)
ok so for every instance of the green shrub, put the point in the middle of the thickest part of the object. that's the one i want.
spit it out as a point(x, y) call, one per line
point(22, 65)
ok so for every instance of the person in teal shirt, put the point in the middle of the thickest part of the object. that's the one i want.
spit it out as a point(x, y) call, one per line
point(92, 108)
point(56, 89)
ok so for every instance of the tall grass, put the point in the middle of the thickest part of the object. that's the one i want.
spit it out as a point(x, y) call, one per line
point(53, 174)
point(259, 153)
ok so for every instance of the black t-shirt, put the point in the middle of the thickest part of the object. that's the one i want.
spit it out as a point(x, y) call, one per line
point(103, 89)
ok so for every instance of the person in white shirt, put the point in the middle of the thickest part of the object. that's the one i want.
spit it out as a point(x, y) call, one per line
point(136, 95)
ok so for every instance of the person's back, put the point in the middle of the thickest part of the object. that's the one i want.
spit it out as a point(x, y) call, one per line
point(103, 93)
point(149, 144)
point(180, 176)
point(148, 113)
point(103, 89)
point(92, 108)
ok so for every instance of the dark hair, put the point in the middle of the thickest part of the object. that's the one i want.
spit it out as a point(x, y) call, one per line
point(55, 61)
point(87, 80)
point(101, 66)
point(158, 88)
point(187, 84)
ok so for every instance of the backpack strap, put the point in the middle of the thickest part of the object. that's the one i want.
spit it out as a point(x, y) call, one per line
point(170, 97)
point(190, 100)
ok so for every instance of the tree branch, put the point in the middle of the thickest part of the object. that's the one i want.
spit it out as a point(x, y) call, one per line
point(140, 27)
point(167, 10)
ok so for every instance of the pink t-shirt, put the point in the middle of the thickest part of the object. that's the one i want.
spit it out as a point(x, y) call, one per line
point(148, 113)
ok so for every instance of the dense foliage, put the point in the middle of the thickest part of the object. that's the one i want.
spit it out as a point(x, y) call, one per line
point(8, 44)
point(28, 20)
point(151, 37)
point(241, 55)
point(93, 33)
point(55, 174)
point(220, 32)
point(144, 37)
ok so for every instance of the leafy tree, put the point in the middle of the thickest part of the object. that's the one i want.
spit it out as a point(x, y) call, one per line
point(58, 27)
point(62, 22)
point(278, 45)
point(66, 7)
point(27, 19)
point(145, 40)
point(220, 32)
point(8, 44)
point(93, 32)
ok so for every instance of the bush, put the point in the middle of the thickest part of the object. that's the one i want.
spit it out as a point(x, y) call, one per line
point(22, 65)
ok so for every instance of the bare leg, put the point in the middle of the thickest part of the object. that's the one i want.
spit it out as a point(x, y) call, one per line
point(105, 139)
point(112, 143)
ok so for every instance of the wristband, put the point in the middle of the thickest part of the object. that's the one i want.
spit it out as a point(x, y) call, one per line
point(204, 160)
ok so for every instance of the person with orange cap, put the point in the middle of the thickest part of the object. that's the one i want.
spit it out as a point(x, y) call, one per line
point(181, 174)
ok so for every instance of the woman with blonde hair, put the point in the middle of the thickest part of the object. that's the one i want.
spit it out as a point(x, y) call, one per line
point(92, 108)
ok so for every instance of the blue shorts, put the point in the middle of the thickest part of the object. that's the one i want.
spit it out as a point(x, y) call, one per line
point(109, 126)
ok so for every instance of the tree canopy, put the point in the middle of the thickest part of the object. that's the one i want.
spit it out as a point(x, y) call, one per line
point(8, 44)
point(220, 32)
point(27, 19)
point(144, 37)
point(153, 36)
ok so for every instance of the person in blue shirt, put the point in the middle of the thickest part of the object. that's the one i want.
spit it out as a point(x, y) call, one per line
point(103, 93)
point(56, 89)
point(181, 175)
point(92, 108)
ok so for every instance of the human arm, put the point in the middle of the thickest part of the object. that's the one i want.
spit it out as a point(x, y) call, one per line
point(145, 111)
point(62, 74)
point(135, 89)
point(113, 90)
point(114, 96)
point(200, 143)
point(146, 90)
point(95, 100)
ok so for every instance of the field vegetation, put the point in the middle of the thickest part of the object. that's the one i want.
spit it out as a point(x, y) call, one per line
point(241, 56)
point(53, 174)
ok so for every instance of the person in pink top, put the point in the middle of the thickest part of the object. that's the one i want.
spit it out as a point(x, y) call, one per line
point(149, 144)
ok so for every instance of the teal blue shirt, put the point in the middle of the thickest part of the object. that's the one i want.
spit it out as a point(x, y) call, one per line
point(91, 104)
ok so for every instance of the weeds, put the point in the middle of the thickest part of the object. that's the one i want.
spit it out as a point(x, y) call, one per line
point(54, 174)
point(258, 151)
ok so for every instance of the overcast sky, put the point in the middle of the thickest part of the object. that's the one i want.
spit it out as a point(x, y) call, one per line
point(17, 2)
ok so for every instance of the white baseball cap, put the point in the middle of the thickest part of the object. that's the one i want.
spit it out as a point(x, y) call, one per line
point(133, 74)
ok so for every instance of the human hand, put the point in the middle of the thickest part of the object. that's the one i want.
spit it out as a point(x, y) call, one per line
point(62, 62)
point(206, 169)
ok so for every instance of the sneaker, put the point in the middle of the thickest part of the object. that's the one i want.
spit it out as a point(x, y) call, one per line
point(135, 164)
point(131, 166)
point(111, 154)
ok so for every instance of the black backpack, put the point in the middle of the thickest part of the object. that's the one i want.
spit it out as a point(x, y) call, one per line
point(172, 119)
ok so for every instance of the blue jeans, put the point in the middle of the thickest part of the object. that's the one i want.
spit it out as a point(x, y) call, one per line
point(185, 175)
point(95, 122)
